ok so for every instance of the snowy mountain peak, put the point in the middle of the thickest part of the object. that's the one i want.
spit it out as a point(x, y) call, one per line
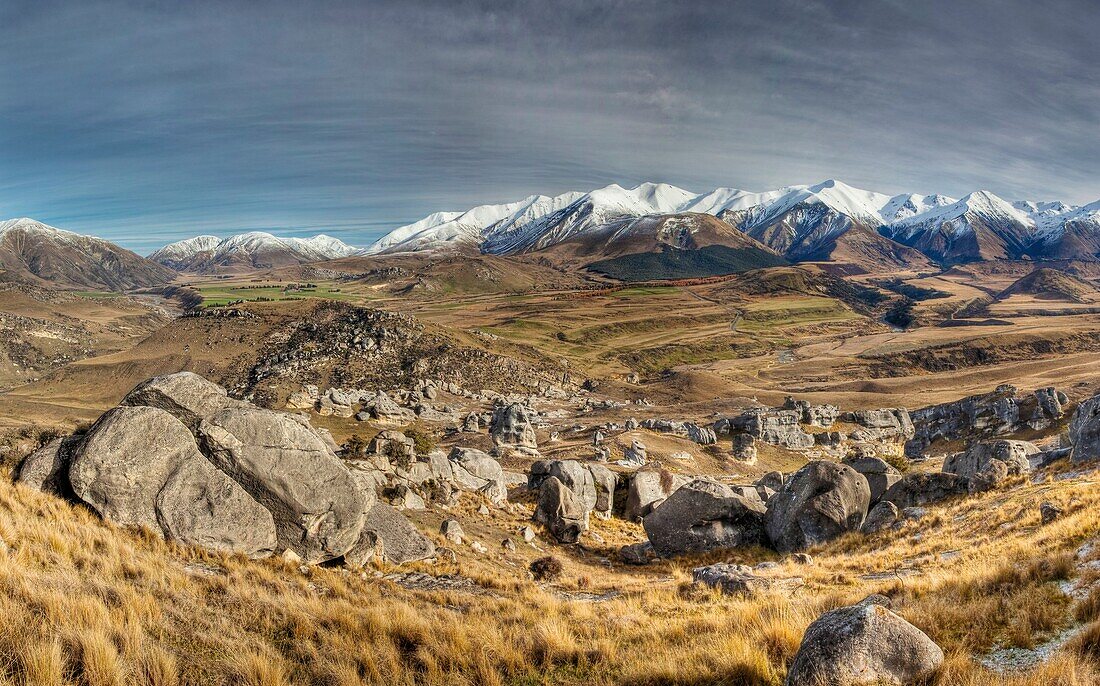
point(255, 248)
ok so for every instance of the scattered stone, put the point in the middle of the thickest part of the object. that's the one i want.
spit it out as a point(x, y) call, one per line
point(528, 534)
point(881, 517)
point(636, 455)
point(478, 547)
point(638, 553)
point(452, 531)
point(802, 559)
point(730, 579)
point(509, 545)
point(1048, 512)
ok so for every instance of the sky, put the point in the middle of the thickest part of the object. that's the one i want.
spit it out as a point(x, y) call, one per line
point(146, 122)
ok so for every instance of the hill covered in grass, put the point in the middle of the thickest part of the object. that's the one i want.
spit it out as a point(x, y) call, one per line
point(673, 263)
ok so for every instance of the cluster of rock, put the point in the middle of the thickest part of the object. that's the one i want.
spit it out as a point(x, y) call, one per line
point(703, 435)
point(784, 426)
point(185, 460)
point(568, 492)
point(986, 415)
point(392, 467)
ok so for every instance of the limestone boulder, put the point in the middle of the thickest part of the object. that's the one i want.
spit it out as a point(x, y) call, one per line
point(817, 503)
point(863, 645)
point(316, 503)
point(705, 515)
point(186, 396)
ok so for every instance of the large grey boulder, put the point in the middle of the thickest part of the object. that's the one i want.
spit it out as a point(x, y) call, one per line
point(186, 396)
point(125, 460)
point(475, 470)
point(1084, 431)
point(200, 505)
point(880, 474)
point(511, 427)
point(316, 503)
point(560, 511)
point(1014, 454)
point(863, 645)
point(606, 481)
point(926, 488)
point(817, 503)
point(647, 490)
point(705, 515)
point(388, 532)
point(140, 466)
point(578, 479)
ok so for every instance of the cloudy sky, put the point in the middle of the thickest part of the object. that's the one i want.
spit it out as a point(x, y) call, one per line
point(148, 121)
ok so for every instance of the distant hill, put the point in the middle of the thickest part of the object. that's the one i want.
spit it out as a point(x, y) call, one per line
point(34, 253)
point(803, 280)
point(1051, 284)
point(248, 251)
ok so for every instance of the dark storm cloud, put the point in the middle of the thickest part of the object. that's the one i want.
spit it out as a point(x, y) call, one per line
point(147, 121)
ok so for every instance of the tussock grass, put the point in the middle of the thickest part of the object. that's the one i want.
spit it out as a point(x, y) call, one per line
point(84, 602)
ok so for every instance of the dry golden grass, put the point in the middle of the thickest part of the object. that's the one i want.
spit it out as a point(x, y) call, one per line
point(84, 602)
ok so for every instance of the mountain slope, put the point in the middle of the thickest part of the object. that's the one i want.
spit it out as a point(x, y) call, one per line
point(32, 252)
point(254, 250)
point(668, 246)
point(1051, 284)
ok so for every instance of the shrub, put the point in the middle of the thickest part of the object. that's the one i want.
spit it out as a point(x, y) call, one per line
point(424, 441)
point(547, 568)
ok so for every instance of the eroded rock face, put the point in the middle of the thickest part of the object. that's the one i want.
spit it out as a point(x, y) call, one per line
point(200, 505)
point(1014, 454)
point(1084, 431)
point(560, 511)
point(186, 396)
point(882, 516)
point(926, 488)
point(817, 503)
point(705, 515)
point(315, 501)
point(140, 466)
point(511, 427)
point(987, 414)
point(880, 475)
point(780, 427)
point(863, 645)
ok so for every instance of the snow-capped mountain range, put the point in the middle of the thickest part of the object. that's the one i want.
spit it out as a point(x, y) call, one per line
point(800, 222)
point(249, 250)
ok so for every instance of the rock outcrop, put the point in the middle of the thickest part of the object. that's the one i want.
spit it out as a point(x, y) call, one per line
point(1014, 455)
point(863, 645)
point(1084, 431)
point(647, 490)
point(817, 503)
point(511, 427)
point(705, 515)
point(183, 459)
point(880, 475)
